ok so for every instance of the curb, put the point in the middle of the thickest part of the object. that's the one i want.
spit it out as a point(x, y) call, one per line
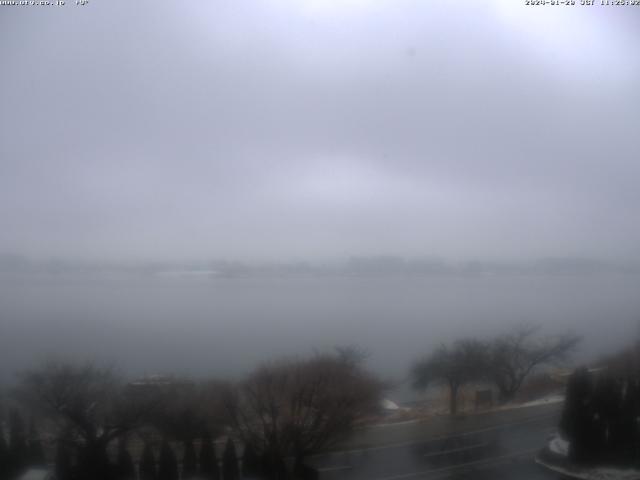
point(561, 465)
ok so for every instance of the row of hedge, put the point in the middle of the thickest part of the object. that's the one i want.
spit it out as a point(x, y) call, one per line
point(601, 417)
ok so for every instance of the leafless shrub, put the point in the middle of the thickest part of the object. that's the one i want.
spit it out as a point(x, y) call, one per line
point(299, 406)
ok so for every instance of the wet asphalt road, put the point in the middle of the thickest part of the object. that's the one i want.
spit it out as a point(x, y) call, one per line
point(502, 451)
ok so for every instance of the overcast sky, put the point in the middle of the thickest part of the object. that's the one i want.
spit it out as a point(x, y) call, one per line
point(308, 129)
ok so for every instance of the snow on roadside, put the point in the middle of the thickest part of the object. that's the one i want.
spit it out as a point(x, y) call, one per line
point(389, 405)
point(543, 401)
point(551, 399)
point(614, 474)
point(559, 446)
point(600, 473)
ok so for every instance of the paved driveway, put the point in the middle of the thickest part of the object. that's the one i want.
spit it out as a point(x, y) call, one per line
point(499, 445)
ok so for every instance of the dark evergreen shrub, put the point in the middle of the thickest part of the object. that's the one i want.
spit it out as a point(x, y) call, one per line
point(577, 416)
point(18, 452)
point(125, 469)
point(273, 466)
point(4, 456)
point(168, 464)
point(600, 417)
point(251, 462)
point(93, 462)
point(147, 467)
point(189, 461)
point(230, 469)
point(36, 452)
point(63, 463)
point(208, 460)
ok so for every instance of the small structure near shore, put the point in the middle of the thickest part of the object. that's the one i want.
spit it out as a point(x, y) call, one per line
point(484, 399)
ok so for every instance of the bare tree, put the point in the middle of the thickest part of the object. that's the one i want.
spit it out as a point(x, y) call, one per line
point(453, 366)
point(184, 409)
point(90, 407)
point(512, 357)
point(208, 460)
point(297, 407)
point(180, 411)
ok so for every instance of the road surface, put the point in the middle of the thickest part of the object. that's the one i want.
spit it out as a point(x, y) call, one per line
point(499, 445)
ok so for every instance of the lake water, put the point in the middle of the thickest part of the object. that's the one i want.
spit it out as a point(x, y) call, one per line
point(224, 327)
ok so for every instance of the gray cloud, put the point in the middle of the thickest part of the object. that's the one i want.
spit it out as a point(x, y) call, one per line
point(280, 129)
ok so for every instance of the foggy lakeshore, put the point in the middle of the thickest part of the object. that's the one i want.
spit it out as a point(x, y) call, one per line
point(319, 239)
point(199, 325)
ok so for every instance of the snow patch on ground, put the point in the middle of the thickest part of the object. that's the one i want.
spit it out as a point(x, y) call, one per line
point(551, 399)
point(544, 401)
point(396, 414)
point(389, 404)
point(397, 423)
point(614, 473)
point(35, 474)
point(601, 473)
point(559, 446)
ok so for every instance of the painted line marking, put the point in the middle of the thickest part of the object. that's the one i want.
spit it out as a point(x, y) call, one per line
point(455, 450)
point(461, 465)
point(334, 469)
point(437, 439)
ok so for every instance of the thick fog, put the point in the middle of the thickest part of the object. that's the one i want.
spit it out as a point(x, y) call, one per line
point(224, 327)
point(308, 132)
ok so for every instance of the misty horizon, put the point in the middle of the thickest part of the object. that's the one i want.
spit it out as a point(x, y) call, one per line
point(200, 187)
point(376, 264)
